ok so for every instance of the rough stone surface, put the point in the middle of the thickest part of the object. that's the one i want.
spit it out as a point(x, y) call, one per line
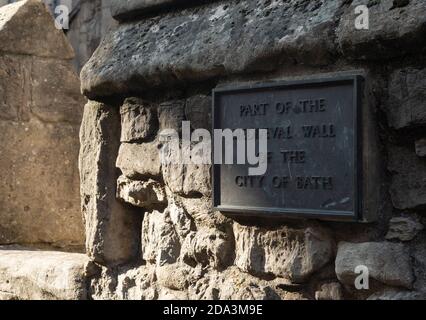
point(139, 160)
point(408, 189)
point(181, 178)
point(112, 230)
point(207, 247)
point(403, 228)
point(162, 49)
point(170, 115)
point(387, 262)
point(392, 31)
point(395, 294)
point(160, 241)
point(47, 275)
point(174, 58)
point(407, 97)
point(187, 179)
point(140, 193)
point(198, 111)
point(36, 29)
point(289, 253)
point(329, 291)
point(137, 120)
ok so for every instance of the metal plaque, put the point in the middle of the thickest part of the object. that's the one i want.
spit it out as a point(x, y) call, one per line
point(314, 152)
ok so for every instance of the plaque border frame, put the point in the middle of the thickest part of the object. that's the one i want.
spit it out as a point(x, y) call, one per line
point(356, 79)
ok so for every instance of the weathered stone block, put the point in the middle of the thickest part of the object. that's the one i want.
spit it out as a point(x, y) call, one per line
point(144, 194)
point(407, 97)
point(207, 247)
point(408, 188)
point(387, 262)
point(392, 30)
point(49, 275)
point(198, 111)
point(171, 114)
point(112, 229)
point(289, 253)
point(139, 160)
point(403, 228)
point(137, 120)
point(27, 28)
point(182, 178)
point(202, 44)
point(160, 241)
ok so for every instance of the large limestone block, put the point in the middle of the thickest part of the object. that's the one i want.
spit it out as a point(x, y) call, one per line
point(387, 262)
point(27, 27)
point(112, 229)
point(216, 39)
point(39, 184)
point(289, 253)
point(139, 160)
point(395, 28)
point(50, 275)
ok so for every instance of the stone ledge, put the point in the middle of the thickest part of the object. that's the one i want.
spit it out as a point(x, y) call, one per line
point(205, 42)
point(51, 275)
point(239, 37)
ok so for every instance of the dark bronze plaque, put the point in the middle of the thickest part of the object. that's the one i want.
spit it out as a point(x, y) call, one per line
point(314, 153)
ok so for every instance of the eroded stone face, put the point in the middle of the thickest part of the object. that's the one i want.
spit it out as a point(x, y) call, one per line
point(140, 193)
point(391, 23)
point(139, 160)
point(138, 120)
point(288, 253)
point(387, 262)
point(112, 229)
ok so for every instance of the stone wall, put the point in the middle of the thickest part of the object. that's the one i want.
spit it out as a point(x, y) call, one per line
point(151, 227)
point(40, 115)
point(89, 21)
